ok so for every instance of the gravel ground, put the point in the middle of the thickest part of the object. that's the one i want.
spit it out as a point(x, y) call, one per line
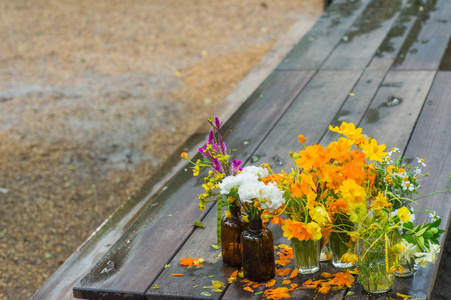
point(94, 95)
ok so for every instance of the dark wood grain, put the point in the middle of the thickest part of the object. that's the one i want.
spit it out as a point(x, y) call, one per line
point(194, 278)
point(137, 255)
point(327, 32)
point(309, 115)
point(360, 43)
point(395, 38)
point(431, 140)
point(390, 121)
point(428, 38)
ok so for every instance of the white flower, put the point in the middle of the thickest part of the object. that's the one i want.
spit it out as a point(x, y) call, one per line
point(417, 172)
point(271, 197)
point(250, 190)
point(433, 215)
point(229, 183)
point(406, 185)
point(409, 252)
point(255, 171)
point(426, 258)
point(393, 150)
point(421, 161)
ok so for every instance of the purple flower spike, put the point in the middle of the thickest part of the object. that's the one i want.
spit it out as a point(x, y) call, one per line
point(217, 123)
point(223, 148)
point(236, 166)
point(217, 165)
point(211, 138)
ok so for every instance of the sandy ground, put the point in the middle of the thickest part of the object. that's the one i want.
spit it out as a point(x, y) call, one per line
point(94, 95)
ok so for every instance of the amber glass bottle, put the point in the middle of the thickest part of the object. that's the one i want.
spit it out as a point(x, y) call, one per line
point(258, 252)
point(231, 228)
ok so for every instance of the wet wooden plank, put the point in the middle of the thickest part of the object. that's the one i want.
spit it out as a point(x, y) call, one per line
point(357, 103)
point(428, 38)
point(360, 43)
point(394, 40)
point(194, 279)
point(137, 255)
point(363, 93)
point(431, 140)
point(327, 32)
point(310, 115)
point(396, 107)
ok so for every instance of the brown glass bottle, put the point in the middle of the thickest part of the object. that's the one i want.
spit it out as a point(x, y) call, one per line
point(231, 228)
point(257, 252)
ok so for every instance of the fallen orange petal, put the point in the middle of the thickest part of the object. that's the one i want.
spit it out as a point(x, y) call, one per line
point(234, 274)
point(248, 289)
point(281, 262)
point(178, 275)
point(270, 283)
point(294, 273)
point(283, 272)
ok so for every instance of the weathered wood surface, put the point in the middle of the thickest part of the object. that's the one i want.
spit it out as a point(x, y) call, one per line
point(168, 224)
point(361, 73)
point(328, 31)
point(427, 39)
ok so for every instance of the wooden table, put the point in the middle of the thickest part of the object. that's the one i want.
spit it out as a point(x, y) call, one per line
point(358, 57)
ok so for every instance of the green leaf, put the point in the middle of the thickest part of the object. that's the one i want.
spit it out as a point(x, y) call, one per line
point(421, 242)
point(420, 233)
point(349, 294)
point(258, 293)
point(408, 225)
point(409, 239)
point(198, 223)
point(436, 223)
point(215, 246)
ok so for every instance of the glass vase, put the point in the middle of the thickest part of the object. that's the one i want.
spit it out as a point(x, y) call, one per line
point(409, 268)
point(257, 250)
point(339, 245)
point(375, 261)
point(231, 228)
point(306, 255)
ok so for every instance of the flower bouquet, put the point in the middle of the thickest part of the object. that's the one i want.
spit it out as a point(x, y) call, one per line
point(216, 159)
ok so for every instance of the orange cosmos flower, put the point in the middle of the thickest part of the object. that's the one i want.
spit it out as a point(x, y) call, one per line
point(338, 206)
point(307, 157)
point(301, 139)
point(294, 229)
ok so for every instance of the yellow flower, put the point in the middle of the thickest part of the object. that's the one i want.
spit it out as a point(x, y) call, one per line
point(196, 171)
point(315, 229)
point(352, 192)
point(349, 258)
point(404, 214)
point(349, 130)
point(320, 215)
point(227, 214)
point(397, 267)
point(357, 212)
point(372, 150)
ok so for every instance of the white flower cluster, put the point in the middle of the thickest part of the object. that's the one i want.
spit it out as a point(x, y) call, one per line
point(250, 188)
point(406, 183)
point(421, 258)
